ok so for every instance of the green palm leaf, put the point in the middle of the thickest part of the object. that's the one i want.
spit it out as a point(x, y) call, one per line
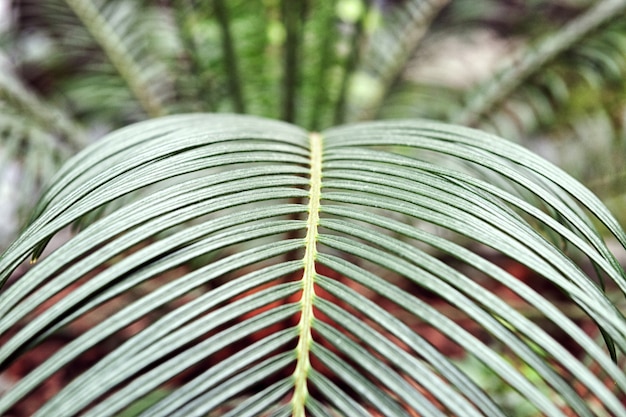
point(390, 48)
point(113, 31)
point(311, 254)
point(498, 88)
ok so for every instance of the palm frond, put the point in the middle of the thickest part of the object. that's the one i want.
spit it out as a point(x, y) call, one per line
point(288, 280)
point(29, 150)
point(249, 56)
point(31, 109)
point(236, 265)
point(112, 28)
point(390, 48)
point(35, 139)
point(486, 97)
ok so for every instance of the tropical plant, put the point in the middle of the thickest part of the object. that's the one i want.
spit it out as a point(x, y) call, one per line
point(240, 265)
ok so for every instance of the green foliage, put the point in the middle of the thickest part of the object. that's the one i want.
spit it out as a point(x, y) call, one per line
point(241, 265)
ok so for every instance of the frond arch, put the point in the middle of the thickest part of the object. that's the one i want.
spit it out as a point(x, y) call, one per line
point(271, 320)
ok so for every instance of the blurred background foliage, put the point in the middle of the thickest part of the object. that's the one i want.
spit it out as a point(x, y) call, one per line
point(547, 73)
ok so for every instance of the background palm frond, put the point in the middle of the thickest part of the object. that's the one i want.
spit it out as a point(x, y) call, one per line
point(389, 49)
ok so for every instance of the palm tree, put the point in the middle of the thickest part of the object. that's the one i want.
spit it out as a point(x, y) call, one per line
point(288, 230)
